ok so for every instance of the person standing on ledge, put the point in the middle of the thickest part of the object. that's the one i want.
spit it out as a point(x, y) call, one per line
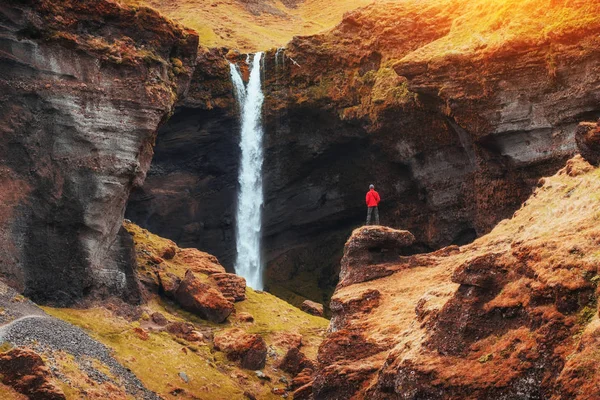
point(373, 200)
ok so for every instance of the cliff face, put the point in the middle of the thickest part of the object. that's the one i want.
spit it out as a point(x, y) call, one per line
point(84, 89)
point(454, 133)
point(513, 315)
point(454, 142)
point(190, 192)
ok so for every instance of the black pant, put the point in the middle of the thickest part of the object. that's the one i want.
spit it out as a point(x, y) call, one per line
point(369, 212)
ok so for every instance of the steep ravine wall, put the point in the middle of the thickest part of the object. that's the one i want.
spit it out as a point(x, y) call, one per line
point(84, 88)
point(191, 188)
point(454, 144)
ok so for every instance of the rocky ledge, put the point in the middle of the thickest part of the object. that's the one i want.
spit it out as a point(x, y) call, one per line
point(85, 86)
point(513, 315)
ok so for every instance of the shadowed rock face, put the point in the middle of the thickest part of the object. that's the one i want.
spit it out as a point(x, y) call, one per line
point(191, 189)
point(84, 86)
point(588, 141)
point(190, 192)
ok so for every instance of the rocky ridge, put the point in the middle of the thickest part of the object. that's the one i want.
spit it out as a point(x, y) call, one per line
point(513, 315)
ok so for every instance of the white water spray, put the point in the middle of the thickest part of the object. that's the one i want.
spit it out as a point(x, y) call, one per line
point(250, 198)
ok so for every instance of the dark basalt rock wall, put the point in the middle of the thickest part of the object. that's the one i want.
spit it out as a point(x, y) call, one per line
point(190, 192)
point(84, 88)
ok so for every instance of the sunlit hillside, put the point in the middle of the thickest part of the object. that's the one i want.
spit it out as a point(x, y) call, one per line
point(253, 25)
point(259, 25)
point(488, 24)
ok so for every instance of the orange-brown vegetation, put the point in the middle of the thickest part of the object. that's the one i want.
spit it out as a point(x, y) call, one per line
point(25, 371)
point(253, 25)
point(66, 22)
point(353, 64)
point(512, 314)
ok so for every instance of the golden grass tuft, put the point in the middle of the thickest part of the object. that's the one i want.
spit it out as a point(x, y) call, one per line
point(487, 25)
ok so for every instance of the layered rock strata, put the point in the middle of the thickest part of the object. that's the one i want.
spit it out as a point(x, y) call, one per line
point(84, 85)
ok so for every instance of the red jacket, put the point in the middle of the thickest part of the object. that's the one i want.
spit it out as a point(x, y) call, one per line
point(373, 198)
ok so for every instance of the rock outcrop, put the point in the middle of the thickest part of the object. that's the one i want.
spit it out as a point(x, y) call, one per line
point(512, 315)
point(312, 308)
point(85, 86)
point(192, 278)
point(455, 135)
point(202, 299)
point(25, 371)
point(588, 141)
point(375, 247)
point(249, 349)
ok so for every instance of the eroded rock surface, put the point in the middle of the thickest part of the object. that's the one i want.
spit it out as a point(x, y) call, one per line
point(249, 349)
point(370, 250)
point(232, 286)
point(512, 315)
point(203, 299)
point(84, 85)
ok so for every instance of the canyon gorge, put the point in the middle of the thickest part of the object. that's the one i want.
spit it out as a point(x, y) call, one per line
point(455, 144)
point(125, 174)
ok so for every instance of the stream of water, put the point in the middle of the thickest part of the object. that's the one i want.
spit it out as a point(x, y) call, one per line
point(250, 198)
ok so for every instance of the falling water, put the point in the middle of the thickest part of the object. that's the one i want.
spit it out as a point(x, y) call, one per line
point(250, 199)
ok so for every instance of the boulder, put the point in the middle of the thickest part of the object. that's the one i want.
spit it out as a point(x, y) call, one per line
point(141, 333)
point(312, 307)
point(302, 384)
point(159, 319)
point(198, 261)
point(167, 283)
point(304, 377)
point(169, 253)
point(232, 286)
point(185, 331)
point(238, 345)
point(587, 137)
point(286, 340)
point(202, 299)
point(25, 371)
point(295, 361)
point(304, 392)
point(369, 249)
point(245, 317)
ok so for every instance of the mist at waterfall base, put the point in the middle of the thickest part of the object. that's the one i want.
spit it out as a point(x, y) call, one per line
point(250, 198)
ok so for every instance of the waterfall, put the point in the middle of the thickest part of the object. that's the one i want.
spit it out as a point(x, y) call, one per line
point(250, 198)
